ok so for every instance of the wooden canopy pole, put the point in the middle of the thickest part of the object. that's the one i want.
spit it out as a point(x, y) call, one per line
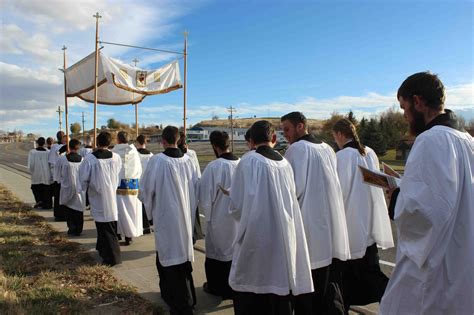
point(185, 85)
point(65, 98)
point(96, 75)
point(136, 119)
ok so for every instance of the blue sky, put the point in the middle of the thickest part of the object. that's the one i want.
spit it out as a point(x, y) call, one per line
point(265, 58)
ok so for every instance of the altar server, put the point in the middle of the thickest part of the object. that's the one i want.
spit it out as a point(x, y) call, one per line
point(56, 187)
point(367, 218)
point(271, 262)
point(71, 197)
point(319, 195)
point(99, 175)
point(221, 226)
point(434, 272)
point(40, 175)
point(145, 156)
point(169, 191)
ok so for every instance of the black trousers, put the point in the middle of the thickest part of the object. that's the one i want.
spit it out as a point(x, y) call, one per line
point(146, 223)
point(177, 287)
point(107, 243)
point(217, 275)
point(326, 298)
point(42, 194)
point(247, 303)
point(362, 280)
point(75, 221)
point(58, 209)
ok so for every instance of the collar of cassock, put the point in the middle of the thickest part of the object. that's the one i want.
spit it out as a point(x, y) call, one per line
point(309, 137)
point(173, 152)
point(143, 151)
point(229, 156)
point(269, 153)
point(447, 119)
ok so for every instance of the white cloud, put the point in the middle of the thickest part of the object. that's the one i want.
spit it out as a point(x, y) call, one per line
point(33, 32)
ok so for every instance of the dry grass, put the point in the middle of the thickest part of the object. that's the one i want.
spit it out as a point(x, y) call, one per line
point(313, 124)
point(42, 272)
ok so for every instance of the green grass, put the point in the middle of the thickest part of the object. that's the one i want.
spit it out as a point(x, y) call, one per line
point(389, 159)
point(42, 272)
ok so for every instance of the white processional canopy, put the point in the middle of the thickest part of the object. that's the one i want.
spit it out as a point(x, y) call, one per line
point(119, 83)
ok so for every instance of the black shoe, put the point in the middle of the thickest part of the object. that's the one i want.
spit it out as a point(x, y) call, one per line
point(128, 241)
point(147, 231)
point(47, 207)
point(60, 219)
point(38, 205)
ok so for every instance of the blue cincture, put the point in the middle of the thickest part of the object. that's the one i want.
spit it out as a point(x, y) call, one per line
point(128, 184)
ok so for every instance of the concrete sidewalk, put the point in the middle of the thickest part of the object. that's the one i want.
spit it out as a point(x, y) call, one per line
point(138, 268)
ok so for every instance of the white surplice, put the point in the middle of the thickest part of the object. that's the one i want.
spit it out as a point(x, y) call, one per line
point(53, 157)
point(366, 210)
point(434, 215)
point(221, 226)
point(101, 177)
point(169, 191)
point(130, 222)
point(192, 154)
point(68, 174)
point(270, 250)
point(144, 159)
point(39, 168)
point(84, 151)
point(320, 198)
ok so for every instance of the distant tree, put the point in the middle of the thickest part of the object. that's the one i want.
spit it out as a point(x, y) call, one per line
point(393, 126)
point(113, 124)
point(373, 137)
point(75, 127)
point(326, 131)
point(351, 117)
point(215, 117)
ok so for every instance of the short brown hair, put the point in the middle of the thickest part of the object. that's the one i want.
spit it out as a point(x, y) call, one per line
point(261, 131)
point(220, 139)
point(170, 134)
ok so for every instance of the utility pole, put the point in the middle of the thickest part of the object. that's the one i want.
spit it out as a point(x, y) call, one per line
point(60, 111)
point(231, 117)
point(83, 131)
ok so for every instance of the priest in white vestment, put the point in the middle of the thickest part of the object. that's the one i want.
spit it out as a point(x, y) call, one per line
point(99, 175)
point(221, 226)
point(40, 175)
point(271, 262)
point(145, 156)
point(71, 197)
point(434, 209)
point(368, 223)
point(129, 206)
point(169, 191)
point(319, 195)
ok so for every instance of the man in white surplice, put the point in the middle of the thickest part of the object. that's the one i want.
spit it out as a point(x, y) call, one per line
point(129, 207)
point(271, 260)
point(71, 198)
point(221, 226)
point(433, 209)
point(145, 156)
point(368, 224)
point(169, 191)
point(40, 175)
point(322, 207)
